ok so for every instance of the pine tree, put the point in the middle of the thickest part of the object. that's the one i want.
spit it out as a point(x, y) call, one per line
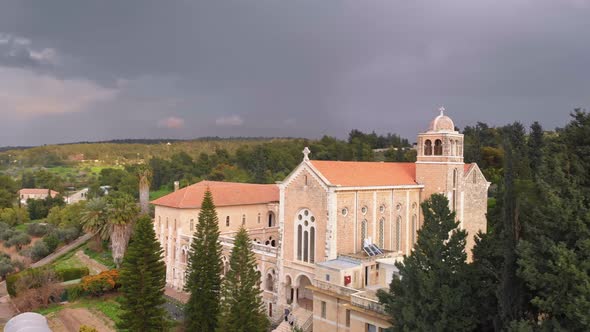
point(432, 293)
point(203, 279)
point(554, 259)
point(242, 309)
point(143, 278)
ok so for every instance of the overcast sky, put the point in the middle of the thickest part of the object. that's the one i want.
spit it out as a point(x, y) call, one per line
point(97, 70)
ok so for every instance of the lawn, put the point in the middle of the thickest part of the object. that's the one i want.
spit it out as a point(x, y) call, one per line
point(159, 193)
point(67, 261)
point(105, 258)
point(107, 305)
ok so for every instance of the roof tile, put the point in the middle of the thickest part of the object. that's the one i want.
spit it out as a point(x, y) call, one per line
point(224, 194)
point(362, 173)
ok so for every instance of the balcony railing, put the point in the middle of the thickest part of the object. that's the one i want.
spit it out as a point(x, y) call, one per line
point(340, 290)
point(365, 302)
point(255, 246)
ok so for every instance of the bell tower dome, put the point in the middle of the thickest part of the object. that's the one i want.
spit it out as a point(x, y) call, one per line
point(439, 163)
point(441, 143)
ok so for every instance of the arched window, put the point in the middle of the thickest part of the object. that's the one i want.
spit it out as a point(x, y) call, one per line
point(243, 220)
point(271, 219)
point(381, 232)
point(259, 218)
point(192, 225)
point(398, 234)
point(428, 148)
point(269, 283)
point(305, 179)
point(227, 221)
point(305, 225)
point(438, 148)
point(363, 232)
point(414, 228)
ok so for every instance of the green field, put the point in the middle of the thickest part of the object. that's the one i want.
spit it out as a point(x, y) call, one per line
point(107, 305)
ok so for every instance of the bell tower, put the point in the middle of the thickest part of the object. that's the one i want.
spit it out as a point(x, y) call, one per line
point(439, 163)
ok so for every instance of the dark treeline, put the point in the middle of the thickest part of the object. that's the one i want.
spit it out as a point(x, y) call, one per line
point(531, 270)
point(273, 161)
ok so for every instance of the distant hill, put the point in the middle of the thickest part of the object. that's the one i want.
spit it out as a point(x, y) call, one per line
point(118, 152)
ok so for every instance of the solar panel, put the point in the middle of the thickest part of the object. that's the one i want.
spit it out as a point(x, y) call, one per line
point(372, 250)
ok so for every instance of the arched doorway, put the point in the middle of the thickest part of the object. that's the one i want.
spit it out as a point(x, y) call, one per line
point(289, 290)
point(303, 294)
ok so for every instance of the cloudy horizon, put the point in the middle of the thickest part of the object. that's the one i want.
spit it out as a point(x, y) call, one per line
point(95, 71)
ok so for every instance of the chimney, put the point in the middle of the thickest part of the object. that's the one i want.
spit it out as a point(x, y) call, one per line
point(176, 185)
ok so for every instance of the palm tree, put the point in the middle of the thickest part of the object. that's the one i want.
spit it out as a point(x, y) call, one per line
point(122, 211)
point(94, 219)
point(144, 173)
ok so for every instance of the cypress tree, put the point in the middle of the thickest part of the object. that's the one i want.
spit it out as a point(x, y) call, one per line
point(432, 293)
point(242, 309)
point(203, 279)
point(143, 278)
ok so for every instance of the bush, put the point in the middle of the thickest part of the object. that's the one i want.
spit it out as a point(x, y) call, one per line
point(6, 267)
point(18, 240)
point(37, 229)
point(39, 250)
point(72, 273)
point(7, 234)
point(67, 235)
point(74, 292)
point(101, 283)
point(51, 241)
point(86, 328)
point(13, 279)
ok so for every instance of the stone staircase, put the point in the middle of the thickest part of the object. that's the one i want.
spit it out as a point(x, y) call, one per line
point(283, 327)
point(303, 319)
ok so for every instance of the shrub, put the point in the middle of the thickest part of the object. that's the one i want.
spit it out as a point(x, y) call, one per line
point(86, 328)
point(7, 234)
point(39, 250)
point(37, 229)
point(13, 279)
point(101, 283)
point(67, 235)
point(51, 241)
point(38, 288)
point(6, 267)
point(74, 292)
point(72, 273)
point(18, 240)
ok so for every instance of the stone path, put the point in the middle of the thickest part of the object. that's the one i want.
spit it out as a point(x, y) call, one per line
point(63, 250)
point(94, 266)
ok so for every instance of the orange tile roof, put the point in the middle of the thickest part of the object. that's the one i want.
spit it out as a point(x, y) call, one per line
point(224, 194)
point(36, 191)
point(467, 167)
point(362, 173)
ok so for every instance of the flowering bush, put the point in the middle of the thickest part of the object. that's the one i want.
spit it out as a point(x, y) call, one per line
point(101, 283)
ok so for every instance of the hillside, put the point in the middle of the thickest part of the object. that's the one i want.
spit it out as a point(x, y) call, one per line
point(121, 152)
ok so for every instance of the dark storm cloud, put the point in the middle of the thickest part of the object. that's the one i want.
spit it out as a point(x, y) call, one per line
point(300, 68)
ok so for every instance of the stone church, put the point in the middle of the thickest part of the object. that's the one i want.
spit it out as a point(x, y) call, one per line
point(327, 237)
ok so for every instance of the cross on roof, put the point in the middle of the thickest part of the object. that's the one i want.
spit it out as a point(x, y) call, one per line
point(442, 110)
point(306, 153)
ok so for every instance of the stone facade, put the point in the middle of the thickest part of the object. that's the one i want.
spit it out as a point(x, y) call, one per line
point(313, 257)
